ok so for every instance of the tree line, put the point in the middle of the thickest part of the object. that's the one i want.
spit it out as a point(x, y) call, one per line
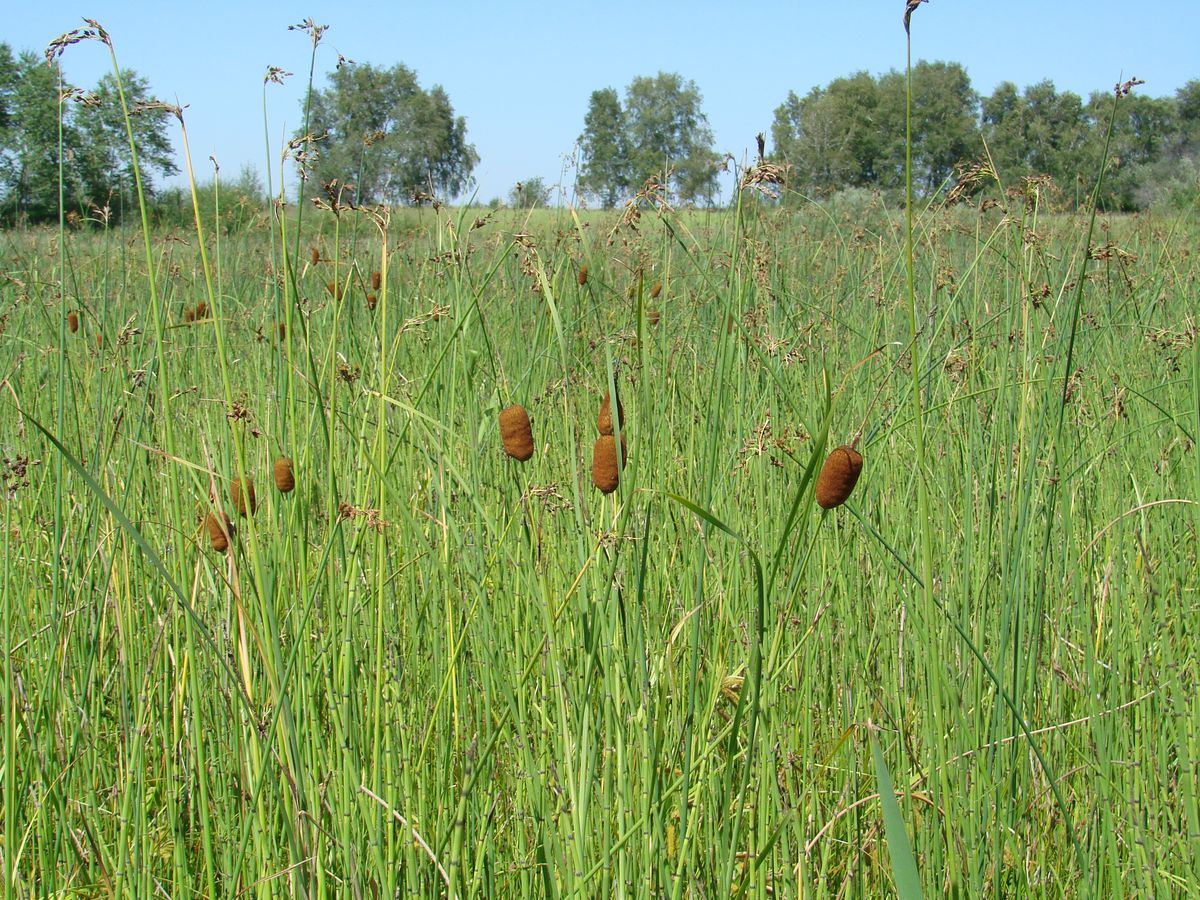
point(381, 137)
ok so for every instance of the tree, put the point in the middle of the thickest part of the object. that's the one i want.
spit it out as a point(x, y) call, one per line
point(388, 137)
point(1037, 132)
point(529, 194)
point(604, 172)
point(96, 162)
point(667, 129)
point(661, 127)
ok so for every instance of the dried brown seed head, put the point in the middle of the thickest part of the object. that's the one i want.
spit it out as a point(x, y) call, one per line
point(582, 279)
point(285, 479)
point(376, 280)
point(371, 301)
point(220, 529)
point(656, 290)
point(838, 477)
point(516, 433)
point(605, 472)
point(653, 316)
point(245, 501)
point(315, 254)
point(604, 420)
point(73, 321)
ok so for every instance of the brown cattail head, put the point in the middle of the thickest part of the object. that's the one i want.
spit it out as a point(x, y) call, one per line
point(656, 290)
point(282, 331)
point(838, 477)
point(376, 278)
point(652, 316)
point(201, 310)
point(583, 274)
point(73, 321)
point(285, 479)
point(729, 324)
point(604, 421)
point(189, 315)
point(220, 529)
point(516, 433)
point(245, 501)
point(605, 474)
point(371, 301)
point(315, 254)
point(99, 341)
point(332, 288)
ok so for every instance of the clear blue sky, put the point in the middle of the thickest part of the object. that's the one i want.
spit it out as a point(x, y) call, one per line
point(521, 72)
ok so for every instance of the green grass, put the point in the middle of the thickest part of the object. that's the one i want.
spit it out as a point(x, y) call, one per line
point(434, 670)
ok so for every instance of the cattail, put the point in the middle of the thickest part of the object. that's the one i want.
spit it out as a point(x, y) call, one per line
point(73, 321)
point(282, 331)
point(332, 287)
point(245, 501)
point(371, 301)
point(201, 310)
point(99, 341)
point(516, 433)
point(604, 421)
point(285, 480)
point(652, 316)
point(315, 254)
point(838, 477)
point(729, 324)
point(376, 279)
point(583, 274)
point(656, 290)
point(189, 315)
point(604, 463)
point(219, 530)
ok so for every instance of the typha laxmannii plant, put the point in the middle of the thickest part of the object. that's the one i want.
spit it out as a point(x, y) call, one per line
point(220, 529)
point(376, 280)
point(582, 277)
point(605, 465)
point(73, 321)
point(315, 255)
point(285, 477)
point(656, 290)
point(838, 476)
point(516, 432)
point(245, 501)
point(604, 419)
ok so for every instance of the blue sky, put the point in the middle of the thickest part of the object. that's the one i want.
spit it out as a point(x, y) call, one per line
point(521, 72)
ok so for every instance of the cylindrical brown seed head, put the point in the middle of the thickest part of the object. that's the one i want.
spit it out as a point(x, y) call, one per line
point(838, 477)
point(283, 331)
point(583, 274)
point(189, 315)
point(729, 324)
point(219, 530)
point(604, 420)
point(73, 321)
point(371, 301)
point(285, 479)
point(315, 254)
point(652, 316)
point(99, 341)
point(656, 290)
point(245, 501)
point(376, 278)
point(516, 433)
point(201, 310)
point(605, 474)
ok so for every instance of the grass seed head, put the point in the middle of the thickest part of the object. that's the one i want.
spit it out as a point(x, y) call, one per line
point(838, 477)
point(73, 321)
point(605, 474)
point(582, 279)
point(604, 420)
point(245, 501)
point(285, 478)
point(516, 433)
point(220, 529)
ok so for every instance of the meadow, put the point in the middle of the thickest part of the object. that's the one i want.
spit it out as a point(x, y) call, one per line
point(431, 669)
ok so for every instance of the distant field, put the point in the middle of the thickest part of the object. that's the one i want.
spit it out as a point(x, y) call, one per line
point(431, 669)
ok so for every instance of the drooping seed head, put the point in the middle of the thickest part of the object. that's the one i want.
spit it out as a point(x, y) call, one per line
point(838, 477)
point(604, 420)
point(516, 433)
point(605, 471)
point(245, 501)
point(220, 529)
point(285, 479)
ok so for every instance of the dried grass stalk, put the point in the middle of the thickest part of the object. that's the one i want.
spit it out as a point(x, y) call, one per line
point(838, 477)
point(516, 433)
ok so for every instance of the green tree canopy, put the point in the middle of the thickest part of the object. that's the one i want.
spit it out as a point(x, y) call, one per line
point(388, 137)
point(529, 194)
point(660, 128)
